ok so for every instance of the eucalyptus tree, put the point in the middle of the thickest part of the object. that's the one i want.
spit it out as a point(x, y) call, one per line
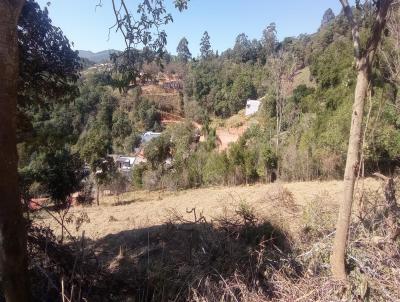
point(205, 46)
point(183, 51)
point(243, 50)
point(364, 57)
point(269, 40)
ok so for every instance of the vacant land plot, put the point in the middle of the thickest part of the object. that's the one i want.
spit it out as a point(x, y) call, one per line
point(143, 209)
point(267, 242)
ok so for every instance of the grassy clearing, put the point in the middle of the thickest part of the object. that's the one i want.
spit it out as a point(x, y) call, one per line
point(258, 243)
point(143, 209)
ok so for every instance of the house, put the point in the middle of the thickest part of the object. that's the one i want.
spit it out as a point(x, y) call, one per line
point(252, 106)
point(148, 136)
point(125, 163)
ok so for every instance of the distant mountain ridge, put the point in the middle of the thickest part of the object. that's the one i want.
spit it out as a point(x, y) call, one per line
point(97, 57)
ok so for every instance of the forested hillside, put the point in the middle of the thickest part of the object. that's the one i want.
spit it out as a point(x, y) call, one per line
point(306, 85)
point(95, 124)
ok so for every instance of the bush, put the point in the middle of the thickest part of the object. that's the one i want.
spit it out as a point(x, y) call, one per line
point(151, 179)
point(85, 196)
point(148, 115)
point(216, 169)
point(158, 150)
point(193, 111)
point(137, 175)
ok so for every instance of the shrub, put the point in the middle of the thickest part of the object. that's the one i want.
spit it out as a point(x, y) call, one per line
point(151, 179)
point(216, 169)
point(158, 150)
point(137, 175)
point(85, 196)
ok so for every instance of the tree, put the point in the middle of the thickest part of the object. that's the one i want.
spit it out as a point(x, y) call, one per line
point(104, 172)
point(327, 17)
point(243, 48)
point(269, 40)
point(136, 28)
point(205, 46)
point(364, 60)
point(13, 256)
point(282, 67)
point(183, 50)
point(158, 150)
point(45, 77)
point(390, 51)
point(13, 259)
point(44, 51)
point(61, 174)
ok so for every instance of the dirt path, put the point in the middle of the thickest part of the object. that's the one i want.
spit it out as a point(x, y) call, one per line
point(144, 209)
point(228, 136)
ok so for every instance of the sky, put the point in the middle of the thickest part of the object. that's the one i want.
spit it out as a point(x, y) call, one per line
point(88, 27)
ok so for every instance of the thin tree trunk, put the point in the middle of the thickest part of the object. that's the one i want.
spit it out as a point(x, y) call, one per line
point(350, 174)
point(364, 61)
point(98, 195)
point(13, 257)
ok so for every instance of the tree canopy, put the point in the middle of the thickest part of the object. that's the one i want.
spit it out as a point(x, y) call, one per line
point(183, 50)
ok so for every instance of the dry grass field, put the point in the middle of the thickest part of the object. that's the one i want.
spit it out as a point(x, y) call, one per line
point(266, 242)
point(141, 209)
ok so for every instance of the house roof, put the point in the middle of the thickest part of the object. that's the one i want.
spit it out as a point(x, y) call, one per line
point(148, 136)
point(252, 106)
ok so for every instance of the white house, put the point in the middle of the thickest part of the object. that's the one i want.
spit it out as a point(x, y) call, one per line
point(252, 106)
point(148, 136)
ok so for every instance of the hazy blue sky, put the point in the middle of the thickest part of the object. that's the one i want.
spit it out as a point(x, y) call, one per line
point(223, 19)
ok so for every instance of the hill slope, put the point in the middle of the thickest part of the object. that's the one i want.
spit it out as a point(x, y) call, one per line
point(97, 57)
point(145, 209)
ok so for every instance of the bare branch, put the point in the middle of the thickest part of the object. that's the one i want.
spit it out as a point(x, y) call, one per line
point(377, 28)
point(354, 28)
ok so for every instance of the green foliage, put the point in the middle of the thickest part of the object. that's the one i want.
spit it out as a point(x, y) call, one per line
point(183, 50)
point(300, 92)
point(182, 137)
point(328, 17)
point(105, 170)
point(158, 150)
point(223, 88)
point(205, 46)
point(148, 115)
point(137, 175)
point(334, 65)
point(60, 173)
point(245, 50)
point(95, 144)
point(269, 40)
point(216, 169)
point(315, 114)
point(49, 68)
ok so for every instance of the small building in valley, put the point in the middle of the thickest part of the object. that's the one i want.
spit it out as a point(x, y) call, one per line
point(125, 163)
point(149, 135)
point(252, 106)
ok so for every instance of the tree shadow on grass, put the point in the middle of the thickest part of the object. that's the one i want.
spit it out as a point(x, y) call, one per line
point(169, 262)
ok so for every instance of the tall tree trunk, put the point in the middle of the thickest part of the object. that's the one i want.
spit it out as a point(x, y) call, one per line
point(98, 195)
point(350, 174)
point(364, 61)
point(13, 257)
